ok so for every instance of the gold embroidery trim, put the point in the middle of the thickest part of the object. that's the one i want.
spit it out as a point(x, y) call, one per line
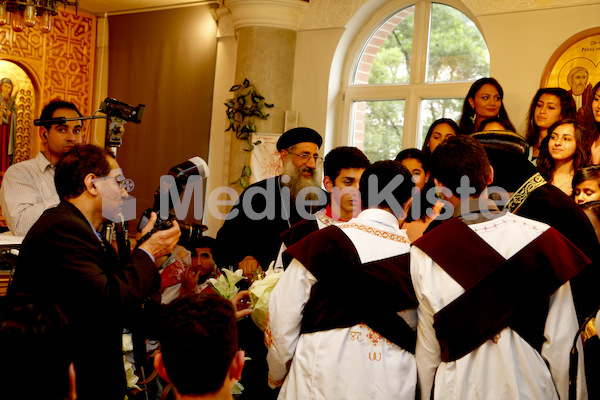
point(275, 382)
point(517, 199)
point(327, 221)
point(590, 330)
point(376, 232)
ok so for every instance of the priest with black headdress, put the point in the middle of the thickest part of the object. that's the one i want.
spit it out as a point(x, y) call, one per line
point(250, 237)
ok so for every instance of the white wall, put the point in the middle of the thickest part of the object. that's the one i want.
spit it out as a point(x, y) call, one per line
point(521, 44)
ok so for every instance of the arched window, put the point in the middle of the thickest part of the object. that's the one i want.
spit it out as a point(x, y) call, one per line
point(415, 67)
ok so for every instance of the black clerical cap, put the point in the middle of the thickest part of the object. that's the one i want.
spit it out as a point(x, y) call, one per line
point(298, 135)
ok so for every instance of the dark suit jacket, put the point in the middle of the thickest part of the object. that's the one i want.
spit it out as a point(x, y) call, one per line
point(62, 260)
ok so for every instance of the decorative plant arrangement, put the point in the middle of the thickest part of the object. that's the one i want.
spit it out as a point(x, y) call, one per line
point(242, 111)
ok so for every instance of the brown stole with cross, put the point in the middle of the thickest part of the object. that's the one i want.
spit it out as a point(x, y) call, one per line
point(349, 292)
point(499, 293)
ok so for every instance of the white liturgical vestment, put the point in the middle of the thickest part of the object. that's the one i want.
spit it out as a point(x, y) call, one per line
point(507, 366)
point(341, 363)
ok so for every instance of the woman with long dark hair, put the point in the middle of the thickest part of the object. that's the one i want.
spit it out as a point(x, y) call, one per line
point(548, 106)
point(438, 131)
point(425, 207)
point(563, 152)
point(484, 100)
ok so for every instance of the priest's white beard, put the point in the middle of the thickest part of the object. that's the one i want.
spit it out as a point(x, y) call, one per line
point(297, 182)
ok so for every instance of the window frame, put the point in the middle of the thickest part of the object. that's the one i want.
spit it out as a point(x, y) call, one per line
point(418, 88)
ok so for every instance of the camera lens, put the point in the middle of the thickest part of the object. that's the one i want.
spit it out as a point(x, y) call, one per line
point(190, 232)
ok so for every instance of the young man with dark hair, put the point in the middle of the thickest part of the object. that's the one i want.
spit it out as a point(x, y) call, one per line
point(496, 314)
point(63, 259)
point(199, 347)
point(343, 167)
point(28, 187)
point(37, 354)
point(188, 274)
point(341, 318)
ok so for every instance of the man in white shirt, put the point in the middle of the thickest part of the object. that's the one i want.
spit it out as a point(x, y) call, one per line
point(341, 317)
point(28, 187)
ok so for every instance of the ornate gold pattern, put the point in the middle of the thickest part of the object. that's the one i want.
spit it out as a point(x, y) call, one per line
point(69, 66)
point(376, 232)
point(325, 220)
point(590, 330)
point(28, 44)
point(268, 338)
point(25, 117)
point(517, 199)
point(373, 338)
point(274, 382)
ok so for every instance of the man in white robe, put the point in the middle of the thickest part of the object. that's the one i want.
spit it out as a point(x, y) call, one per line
point(341, 318)
point(507, 332)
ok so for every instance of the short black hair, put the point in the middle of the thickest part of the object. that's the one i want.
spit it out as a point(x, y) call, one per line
point(343, 157)
point(37, 349)
point(201, 328)
point(54, 105)
point(72, 169)
point(202, 241)
point(459, 156)
point(377, 177)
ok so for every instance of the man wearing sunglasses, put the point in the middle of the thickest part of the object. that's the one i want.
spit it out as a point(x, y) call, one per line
point(28, 187)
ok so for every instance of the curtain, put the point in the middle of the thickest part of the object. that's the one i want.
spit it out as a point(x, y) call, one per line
point(166, 61)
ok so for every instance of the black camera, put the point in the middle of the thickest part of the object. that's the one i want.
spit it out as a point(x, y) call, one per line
point(190, 232)
point(114, 108)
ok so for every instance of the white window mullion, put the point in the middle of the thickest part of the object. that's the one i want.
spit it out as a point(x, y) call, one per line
point(418, 73)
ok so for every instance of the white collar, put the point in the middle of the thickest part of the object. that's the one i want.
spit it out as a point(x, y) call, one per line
point(42, 162)
point(380, 217)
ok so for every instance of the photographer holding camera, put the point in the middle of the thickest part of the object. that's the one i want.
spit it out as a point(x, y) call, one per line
point(65, 260)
